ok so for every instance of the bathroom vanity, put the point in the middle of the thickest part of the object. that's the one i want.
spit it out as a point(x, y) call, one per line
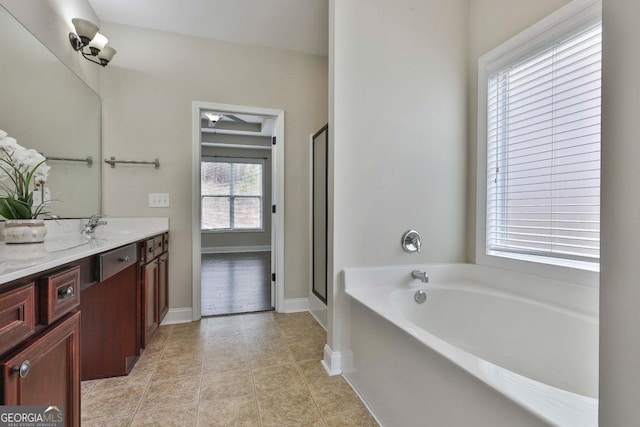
point(77, 307)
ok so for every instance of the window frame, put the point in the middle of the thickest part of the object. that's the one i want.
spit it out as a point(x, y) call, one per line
point(560, 24)
point(234, 160)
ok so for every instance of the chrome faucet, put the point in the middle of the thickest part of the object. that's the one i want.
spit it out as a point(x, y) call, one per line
point(412, 241)
point(417, 242)
point(92, 224)
point(420, 275)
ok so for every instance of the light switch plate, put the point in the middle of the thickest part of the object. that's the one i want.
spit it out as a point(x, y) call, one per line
point(159, 200)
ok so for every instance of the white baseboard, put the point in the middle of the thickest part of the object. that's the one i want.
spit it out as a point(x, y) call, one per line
point(178, 315)
point(235, 249)
point(332, 362)
point(295, 305)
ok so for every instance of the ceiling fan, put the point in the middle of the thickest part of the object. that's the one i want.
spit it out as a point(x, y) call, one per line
point(215, 118)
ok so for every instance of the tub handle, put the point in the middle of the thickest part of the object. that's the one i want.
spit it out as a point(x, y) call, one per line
point(412, 241)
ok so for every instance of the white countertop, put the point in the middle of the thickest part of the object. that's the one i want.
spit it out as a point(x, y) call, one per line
point(64, 243)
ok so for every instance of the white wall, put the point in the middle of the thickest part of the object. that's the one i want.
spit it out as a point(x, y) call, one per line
point(147, 93)
point(620, 218)
point(399, 73)
point(491, 23)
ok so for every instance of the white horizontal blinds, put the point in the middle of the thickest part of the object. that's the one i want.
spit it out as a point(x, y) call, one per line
point(231, 195)
point(543, 151)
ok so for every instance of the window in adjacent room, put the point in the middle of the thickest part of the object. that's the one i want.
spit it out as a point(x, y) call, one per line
point(543, 150)
point(231, 191)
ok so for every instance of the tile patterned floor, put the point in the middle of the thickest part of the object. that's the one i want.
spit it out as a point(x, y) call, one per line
point(259, 369)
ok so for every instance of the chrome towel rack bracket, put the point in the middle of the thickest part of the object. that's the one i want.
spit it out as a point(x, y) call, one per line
point(113, 161)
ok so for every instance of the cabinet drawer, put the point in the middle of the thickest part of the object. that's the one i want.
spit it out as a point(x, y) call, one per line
point(115, 261)
point(17, 316)
point(59, 294)
point(158, 243)
point(165, 238)
point(149, 250)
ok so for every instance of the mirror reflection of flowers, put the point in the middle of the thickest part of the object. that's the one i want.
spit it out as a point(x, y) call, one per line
point(22, 171)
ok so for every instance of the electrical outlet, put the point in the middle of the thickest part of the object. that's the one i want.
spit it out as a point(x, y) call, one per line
point(159, 200)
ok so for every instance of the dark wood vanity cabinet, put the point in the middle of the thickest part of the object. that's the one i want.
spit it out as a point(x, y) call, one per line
point(45, 371)
point(40, 341)
point(154, 273)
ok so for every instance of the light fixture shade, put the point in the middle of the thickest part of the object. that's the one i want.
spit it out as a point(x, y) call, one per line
point(85, 29)
point(106, 54)
point(99, 41)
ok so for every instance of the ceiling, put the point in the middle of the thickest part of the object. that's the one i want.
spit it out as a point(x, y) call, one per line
point(298, 25)
point(237, 124)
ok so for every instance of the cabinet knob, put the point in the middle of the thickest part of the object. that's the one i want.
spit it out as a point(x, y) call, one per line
point(23, 369)
point(124, 259)
point(65, 292)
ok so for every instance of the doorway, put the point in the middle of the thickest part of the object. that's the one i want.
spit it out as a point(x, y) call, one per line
point(237, 188)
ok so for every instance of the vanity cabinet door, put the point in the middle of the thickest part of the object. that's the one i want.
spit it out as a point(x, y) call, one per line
point(163, 286)
point(149, 301)
point(46, 370)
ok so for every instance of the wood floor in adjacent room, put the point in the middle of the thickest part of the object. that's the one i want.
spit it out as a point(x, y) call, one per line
point(236, 283)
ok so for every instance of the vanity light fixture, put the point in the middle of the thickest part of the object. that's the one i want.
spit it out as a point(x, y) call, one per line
point(87, 35)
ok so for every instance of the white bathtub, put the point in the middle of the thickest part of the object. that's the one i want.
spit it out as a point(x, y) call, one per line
point(487, 348)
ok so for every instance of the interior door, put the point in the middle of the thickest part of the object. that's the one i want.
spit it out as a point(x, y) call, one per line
point(274, 222)
point(320, 142)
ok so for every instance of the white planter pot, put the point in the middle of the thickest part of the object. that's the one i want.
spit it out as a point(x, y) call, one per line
point(24, 231)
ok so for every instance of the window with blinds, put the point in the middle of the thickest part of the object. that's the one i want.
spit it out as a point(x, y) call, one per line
point(543, 151)
point(231, 193)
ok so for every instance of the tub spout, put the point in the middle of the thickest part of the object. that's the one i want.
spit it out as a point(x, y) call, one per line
point(420, 275)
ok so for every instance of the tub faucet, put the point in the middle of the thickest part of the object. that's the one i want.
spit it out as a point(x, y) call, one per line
point(92, 224)
point(420, 275)
point(417, 243)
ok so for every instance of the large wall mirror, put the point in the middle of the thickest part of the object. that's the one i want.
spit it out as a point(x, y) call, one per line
point(47, 107)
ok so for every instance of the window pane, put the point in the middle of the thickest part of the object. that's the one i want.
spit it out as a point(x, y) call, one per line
point(247, 212)
point(215, 179)
point(543, 152)
point(215, 213)
point(247, 179)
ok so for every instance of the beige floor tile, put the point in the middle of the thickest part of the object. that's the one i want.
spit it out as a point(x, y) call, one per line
point(298, 334)
point(352, 419)
point(334, 396)
point(143, 368)
point(259, 351)
point(270, 359)
point(277, 377)
point(312, 371)
point(241, 411)
point(172, 367)
point(191, 353)
point(125, 381)
point(223, 385)
point(118, 402)
point(288, 406)
point(316, 423)
point(155, 346)
point(227, 362)
point(87, 386)
point(225, 344)
point(107, 422)
point(262, 335)
point(308, 348)
point(256, 370)
point(178, 416)
point(173, 392)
